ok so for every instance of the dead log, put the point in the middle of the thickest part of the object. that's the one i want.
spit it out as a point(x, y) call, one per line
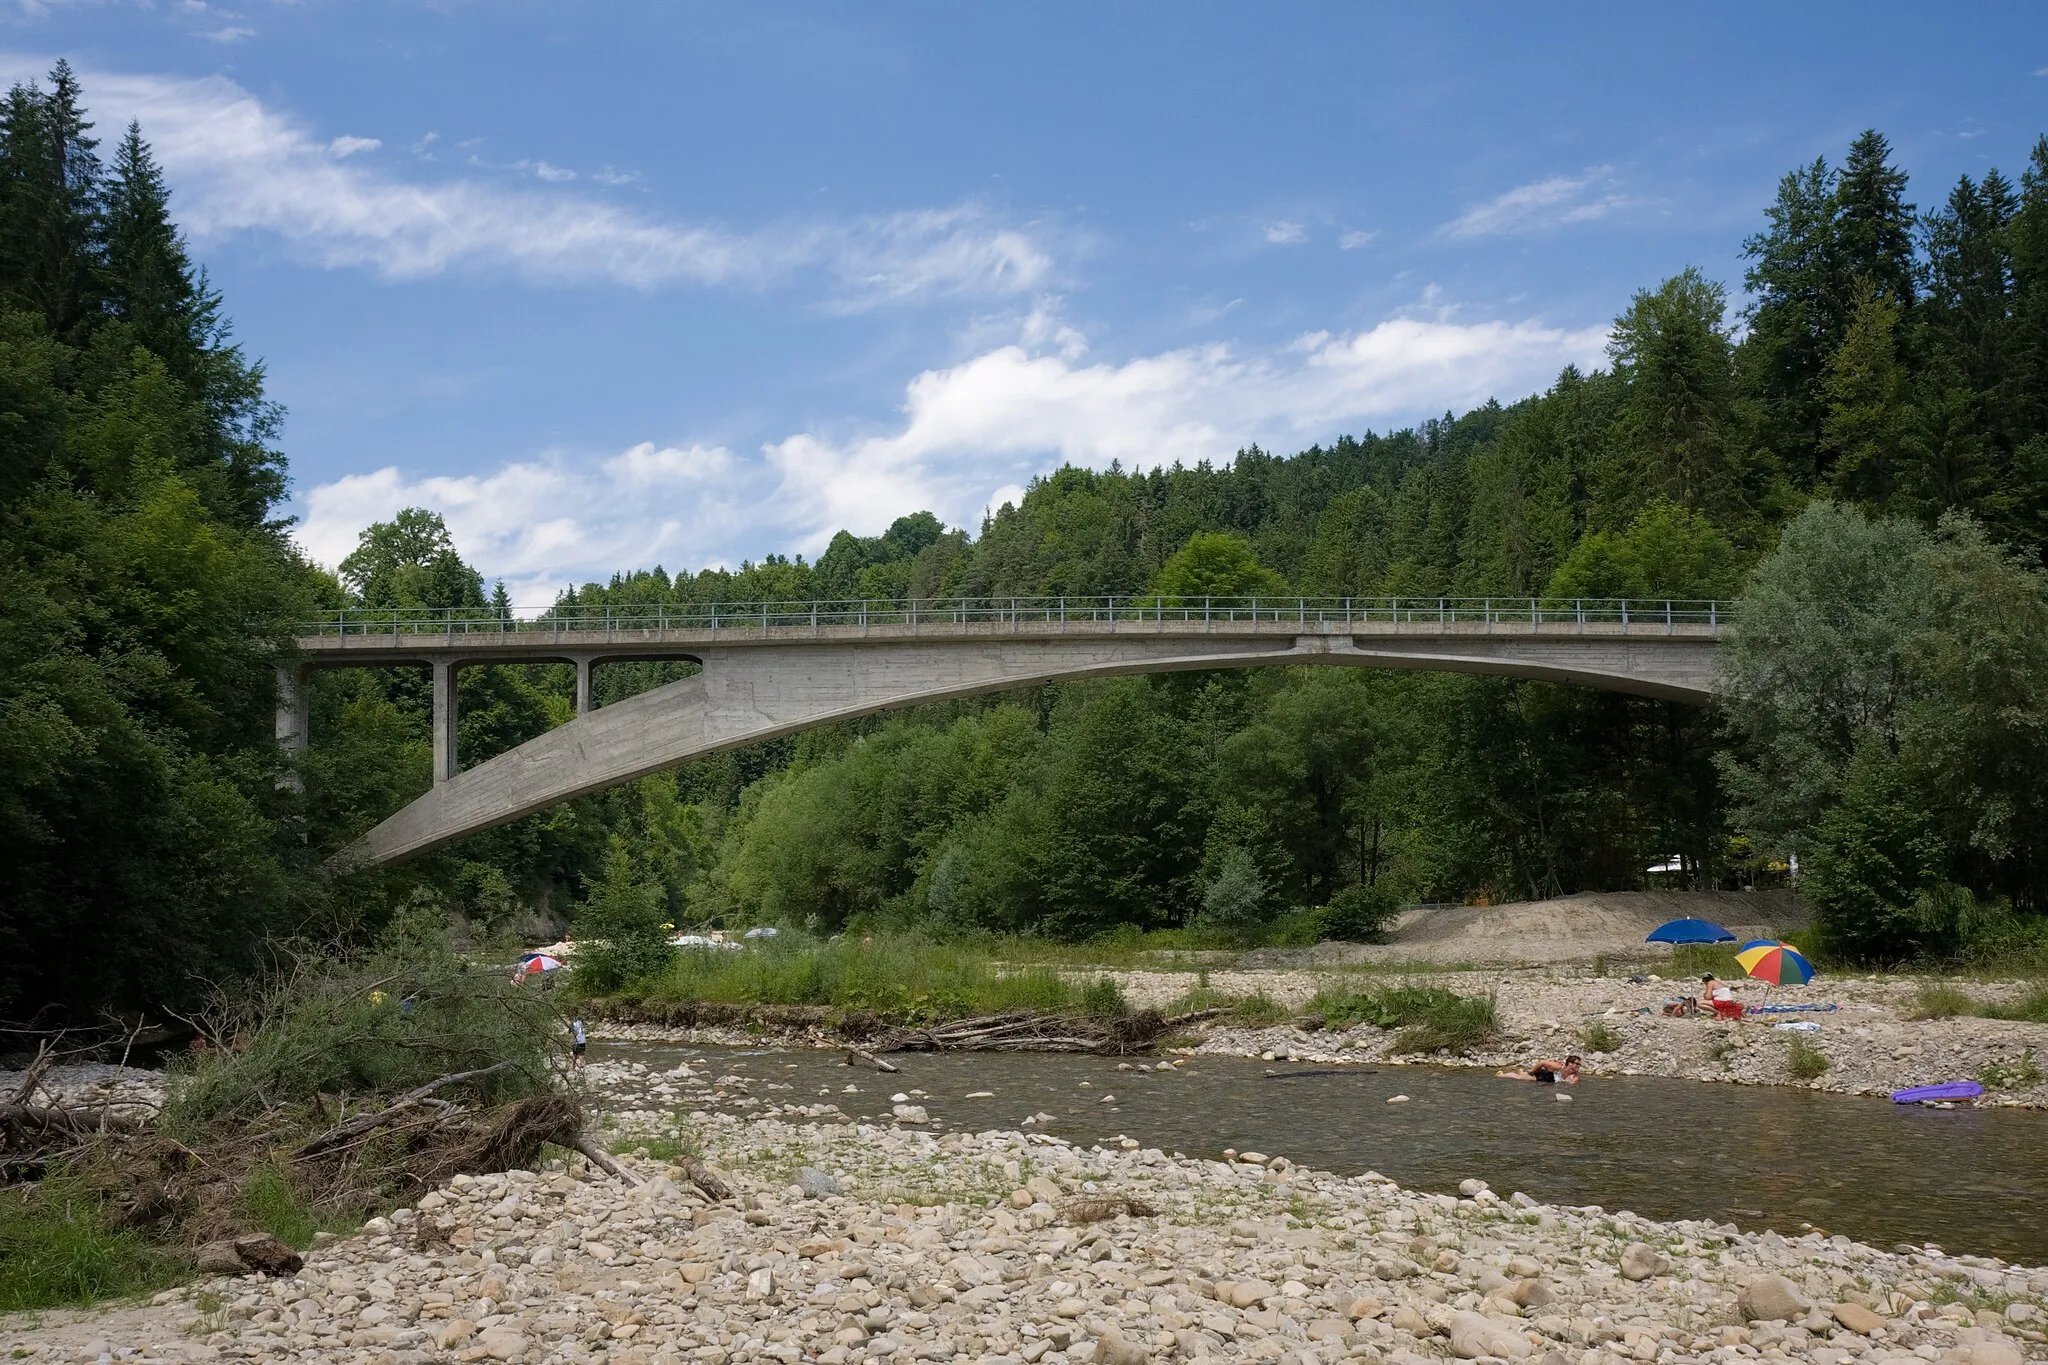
point(706, 1179)
point(37, 1069)
point(854, 1054)
point(602, 1159)
point(30, 1122)
point(364, 1123)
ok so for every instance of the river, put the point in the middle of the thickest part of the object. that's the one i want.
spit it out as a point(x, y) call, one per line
point(1971, 1181)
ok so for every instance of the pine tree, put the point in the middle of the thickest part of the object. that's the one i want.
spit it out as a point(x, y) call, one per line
point(1873, 228)
point(148, 278)
point(1793, 324)
point(50, 183)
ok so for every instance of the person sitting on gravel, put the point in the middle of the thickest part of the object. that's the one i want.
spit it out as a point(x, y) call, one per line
point(1546, 1072)
point(1720, 997)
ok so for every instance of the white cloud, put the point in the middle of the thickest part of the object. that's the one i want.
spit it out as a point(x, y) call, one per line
point(967, 438)
point(541, 524)
point(349, 146)
point(1285, 233)
point(233, 33)
point(1542, 203)
point(1353, 240)
point(240, 167)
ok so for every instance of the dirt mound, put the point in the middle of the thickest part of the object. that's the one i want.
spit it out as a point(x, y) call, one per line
point(1568, 929)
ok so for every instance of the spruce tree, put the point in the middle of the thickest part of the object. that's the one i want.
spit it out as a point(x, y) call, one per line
point(49, 206)
point(1873, 228)
point(148, 278)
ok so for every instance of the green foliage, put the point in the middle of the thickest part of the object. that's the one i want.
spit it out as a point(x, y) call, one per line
point(1804, 1062)
point(1215, 564)
point(1597, 1037)
point(621, 933)
point(1940, 1000)
point(410, 563)
point(2020, 1074)
point(900, 978)
point(1429, 1018)
point(404, 1013)
point(1359, 914)
point(1234, 902)
point(271, 1201)
point(58, 1249)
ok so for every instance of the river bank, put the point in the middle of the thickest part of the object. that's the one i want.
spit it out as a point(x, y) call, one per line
point(1870, 1044)
point(853, 1243)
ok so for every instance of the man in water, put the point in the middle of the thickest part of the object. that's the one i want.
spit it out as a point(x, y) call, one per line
point(1546, 1072)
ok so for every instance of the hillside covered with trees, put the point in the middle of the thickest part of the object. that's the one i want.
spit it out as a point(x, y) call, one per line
point(1858, 446)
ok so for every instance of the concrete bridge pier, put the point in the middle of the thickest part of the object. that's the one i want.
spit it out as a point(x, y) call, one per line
point(294, 720)
point(583, 663)
point(446, 764)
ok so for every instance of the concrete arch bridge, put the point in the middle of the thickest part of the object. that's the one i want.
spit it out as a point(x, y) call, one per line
point(770, 669)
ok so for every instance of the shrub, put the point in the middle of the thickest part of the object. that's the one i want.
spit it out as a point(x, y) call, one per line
point(620, 928)
point(2020, 1075)
point(1429, 1018)
point(1235, 900)
point(1359, 914)
point(1805, 1063)
point(399, 1016)
point(2031, 1008)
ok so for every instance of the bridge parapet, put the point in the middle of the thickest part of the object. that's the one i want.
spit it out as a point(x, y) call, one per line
point(485, 636)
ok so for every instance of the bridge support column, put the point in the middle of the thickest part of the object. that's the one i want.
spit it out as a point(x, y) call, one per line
point(294, 719)
point(583, 698)
point(444, 719)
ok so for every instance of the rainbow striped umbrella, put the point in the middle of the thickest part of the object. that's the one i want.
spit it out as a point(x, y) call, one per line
point(1780, 964)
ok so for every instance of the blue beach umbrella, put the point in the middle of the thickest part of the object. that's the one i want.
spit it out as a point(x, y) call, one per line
point(1690, 931)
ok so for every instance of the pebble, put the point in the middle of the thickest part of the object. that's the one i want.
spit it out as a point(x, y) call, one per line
point(926, 1254)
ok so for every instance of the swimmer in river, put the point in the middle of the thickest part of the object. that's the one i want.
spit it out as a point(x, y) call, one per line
point(1546, 1072)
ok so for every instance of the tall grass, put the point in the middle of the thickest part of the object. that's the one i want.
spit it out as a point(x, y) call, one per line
point(1429, 1018)
point(902, 979)
point(58, 1249)
point(1945, 1000)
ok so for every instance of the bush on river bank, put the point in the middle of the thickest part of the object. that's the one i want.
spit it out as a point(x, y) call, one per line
point(896, 978)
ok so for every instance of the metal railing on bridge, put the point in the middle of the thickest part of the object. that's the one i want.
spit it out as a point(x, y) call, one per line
point(1422, 612)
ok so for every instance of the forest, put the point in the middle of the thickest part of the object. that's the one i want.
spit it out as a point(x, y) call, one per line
point(1854, 444)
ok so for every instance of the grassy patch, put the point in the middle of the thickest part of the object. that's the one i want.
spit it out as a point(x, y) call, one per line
point(1429, 1018)
point(272, 1202)
point(1940, 1000)
point(2031, 1008)
point(902, 979)
point(1805, 1062)
point(1597, 1037)
point(56, 1250)
point(2019, 1075)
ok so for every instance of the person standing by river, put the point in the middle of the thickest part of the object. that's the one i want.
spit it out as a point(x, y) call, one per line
point(578, 1040)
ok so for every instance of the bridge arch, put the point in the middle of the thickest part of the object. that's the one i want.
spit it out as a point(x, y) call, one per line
point(766, 672)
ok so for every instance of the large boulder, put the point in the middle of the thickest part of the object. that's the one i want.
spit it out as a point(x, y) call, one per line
point(1771, 1298)
point(1474, 1335)
point(1640, 1261)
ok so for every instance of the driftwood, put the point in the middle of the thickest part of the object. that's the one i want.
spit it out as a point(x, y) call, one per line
point(1096, 1208)
point(854, 1054)
point(36, 1122)
point(1027, 1031)
point(349, 1129)
point(706, 1179)
point(602, 1159)
point(37, 1069)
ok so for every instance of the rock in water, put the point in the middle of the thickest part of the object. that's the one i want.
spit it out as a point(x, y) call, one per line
point(816, 1184)
point(1770, 1297)
point(1640, 1262)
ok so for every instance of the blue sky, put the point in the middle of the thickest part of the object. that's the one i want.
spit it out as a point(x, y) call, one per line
point(612, 285)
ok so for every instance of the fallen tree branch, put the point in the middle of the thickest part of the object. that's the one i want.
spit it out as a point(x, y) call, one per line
point(363, 1123)
point(706, 1179)
point(37, 1069)
point(602, 1159)
point(37, 1120)
point(870, 1058)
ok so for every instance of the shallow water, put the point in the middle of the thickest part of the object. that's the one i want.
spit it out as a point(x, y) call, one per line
point(1758, 1156)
